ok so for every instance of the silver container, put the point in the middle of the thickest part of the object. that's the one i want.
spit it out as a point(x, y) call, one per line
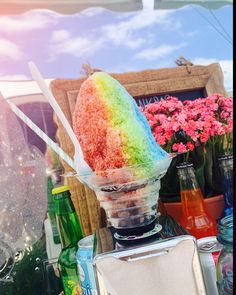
point(209, 250)
point(166, 267)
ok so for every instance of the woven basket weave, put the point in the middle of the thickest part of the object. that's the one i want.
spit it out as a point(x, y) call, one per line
point(209, 78)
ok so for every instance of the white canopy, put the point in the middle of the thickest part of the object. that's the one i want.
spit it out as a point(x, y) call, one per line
point(22, 91)
point(73, 6)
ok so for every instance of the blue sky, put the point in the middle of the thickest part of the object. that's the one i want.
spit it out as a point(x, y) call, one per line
point(114, 42)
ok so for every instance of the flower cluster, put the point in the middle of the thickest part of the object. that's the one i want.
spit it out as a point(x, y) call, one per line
point(182, 126)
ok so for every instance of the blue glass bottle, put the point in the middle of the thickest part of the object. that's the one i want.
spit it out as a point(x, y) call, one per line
point(226, 169)
point(224, 268)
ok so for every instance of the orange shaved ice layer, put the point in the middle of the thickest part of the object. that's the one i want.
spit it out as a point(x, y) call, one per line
point(100, 143)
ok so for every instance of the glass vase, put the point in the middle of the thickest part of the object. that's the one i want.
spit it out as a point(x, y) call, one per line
point(224, 268)
point(212, 171)
point(226, 169)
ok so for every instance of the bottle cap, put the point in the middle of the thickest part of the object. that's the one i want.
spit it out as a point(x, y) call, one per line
point(184, 165)
point(225, 157)
point(60, 189)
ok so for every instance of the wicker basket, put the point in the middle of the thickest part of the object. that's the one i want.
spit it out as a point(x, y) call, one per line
point(169, 80)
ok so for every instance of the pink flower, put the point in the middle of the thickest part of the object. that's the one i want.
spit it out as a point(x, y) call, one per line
point(161, 117)
point(204, 137)
point(158, 129)
point(149, 116)
point(224, 115)
point(190, 146)
point(200, 119)
point(168, 134)
point(161, 140)
point(180, 147)
point(152, 123)
point(229, 126)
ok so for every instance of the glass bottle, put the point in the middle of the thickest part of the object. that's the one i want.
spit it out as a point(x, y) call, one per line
point(224, 267)
point(70, 233)
point(51, 211)
point(226, 170)
point(194, 215)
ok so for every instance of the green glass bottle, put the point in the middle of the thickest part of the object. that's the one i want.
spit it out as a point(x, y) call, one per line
point(70, 233)
point(51, 211)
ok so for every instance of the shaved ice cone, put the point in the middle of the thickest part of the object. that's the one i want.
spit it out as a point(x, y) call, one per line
point(118, 145)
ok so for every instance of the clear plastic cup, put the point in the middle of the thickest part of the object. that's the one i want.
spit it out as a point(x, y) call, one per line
point(129, 195)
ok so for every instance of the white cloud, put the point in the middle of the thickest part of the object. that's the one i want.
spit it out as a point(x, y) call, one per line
point(158, 52)
point(226, 65)
point(148, 18)
point(124, 32)
point(134, 43)
point(26, 22)
point(63, 42)
point(60, 36)
point(189, 34)
point(9, 50)
point(120, 32)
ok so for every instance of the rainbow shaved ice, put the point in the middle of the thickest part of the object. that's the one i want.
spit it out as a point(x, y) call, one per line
point(118, 145)
point(111, 129)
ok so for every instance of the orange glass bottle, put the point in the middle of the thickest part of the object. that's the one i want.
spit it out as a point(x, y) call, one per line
point(194, 215)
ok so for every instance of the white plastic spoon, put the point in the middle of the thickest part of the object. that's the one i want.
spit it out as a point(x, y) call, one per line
point(82, 168)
